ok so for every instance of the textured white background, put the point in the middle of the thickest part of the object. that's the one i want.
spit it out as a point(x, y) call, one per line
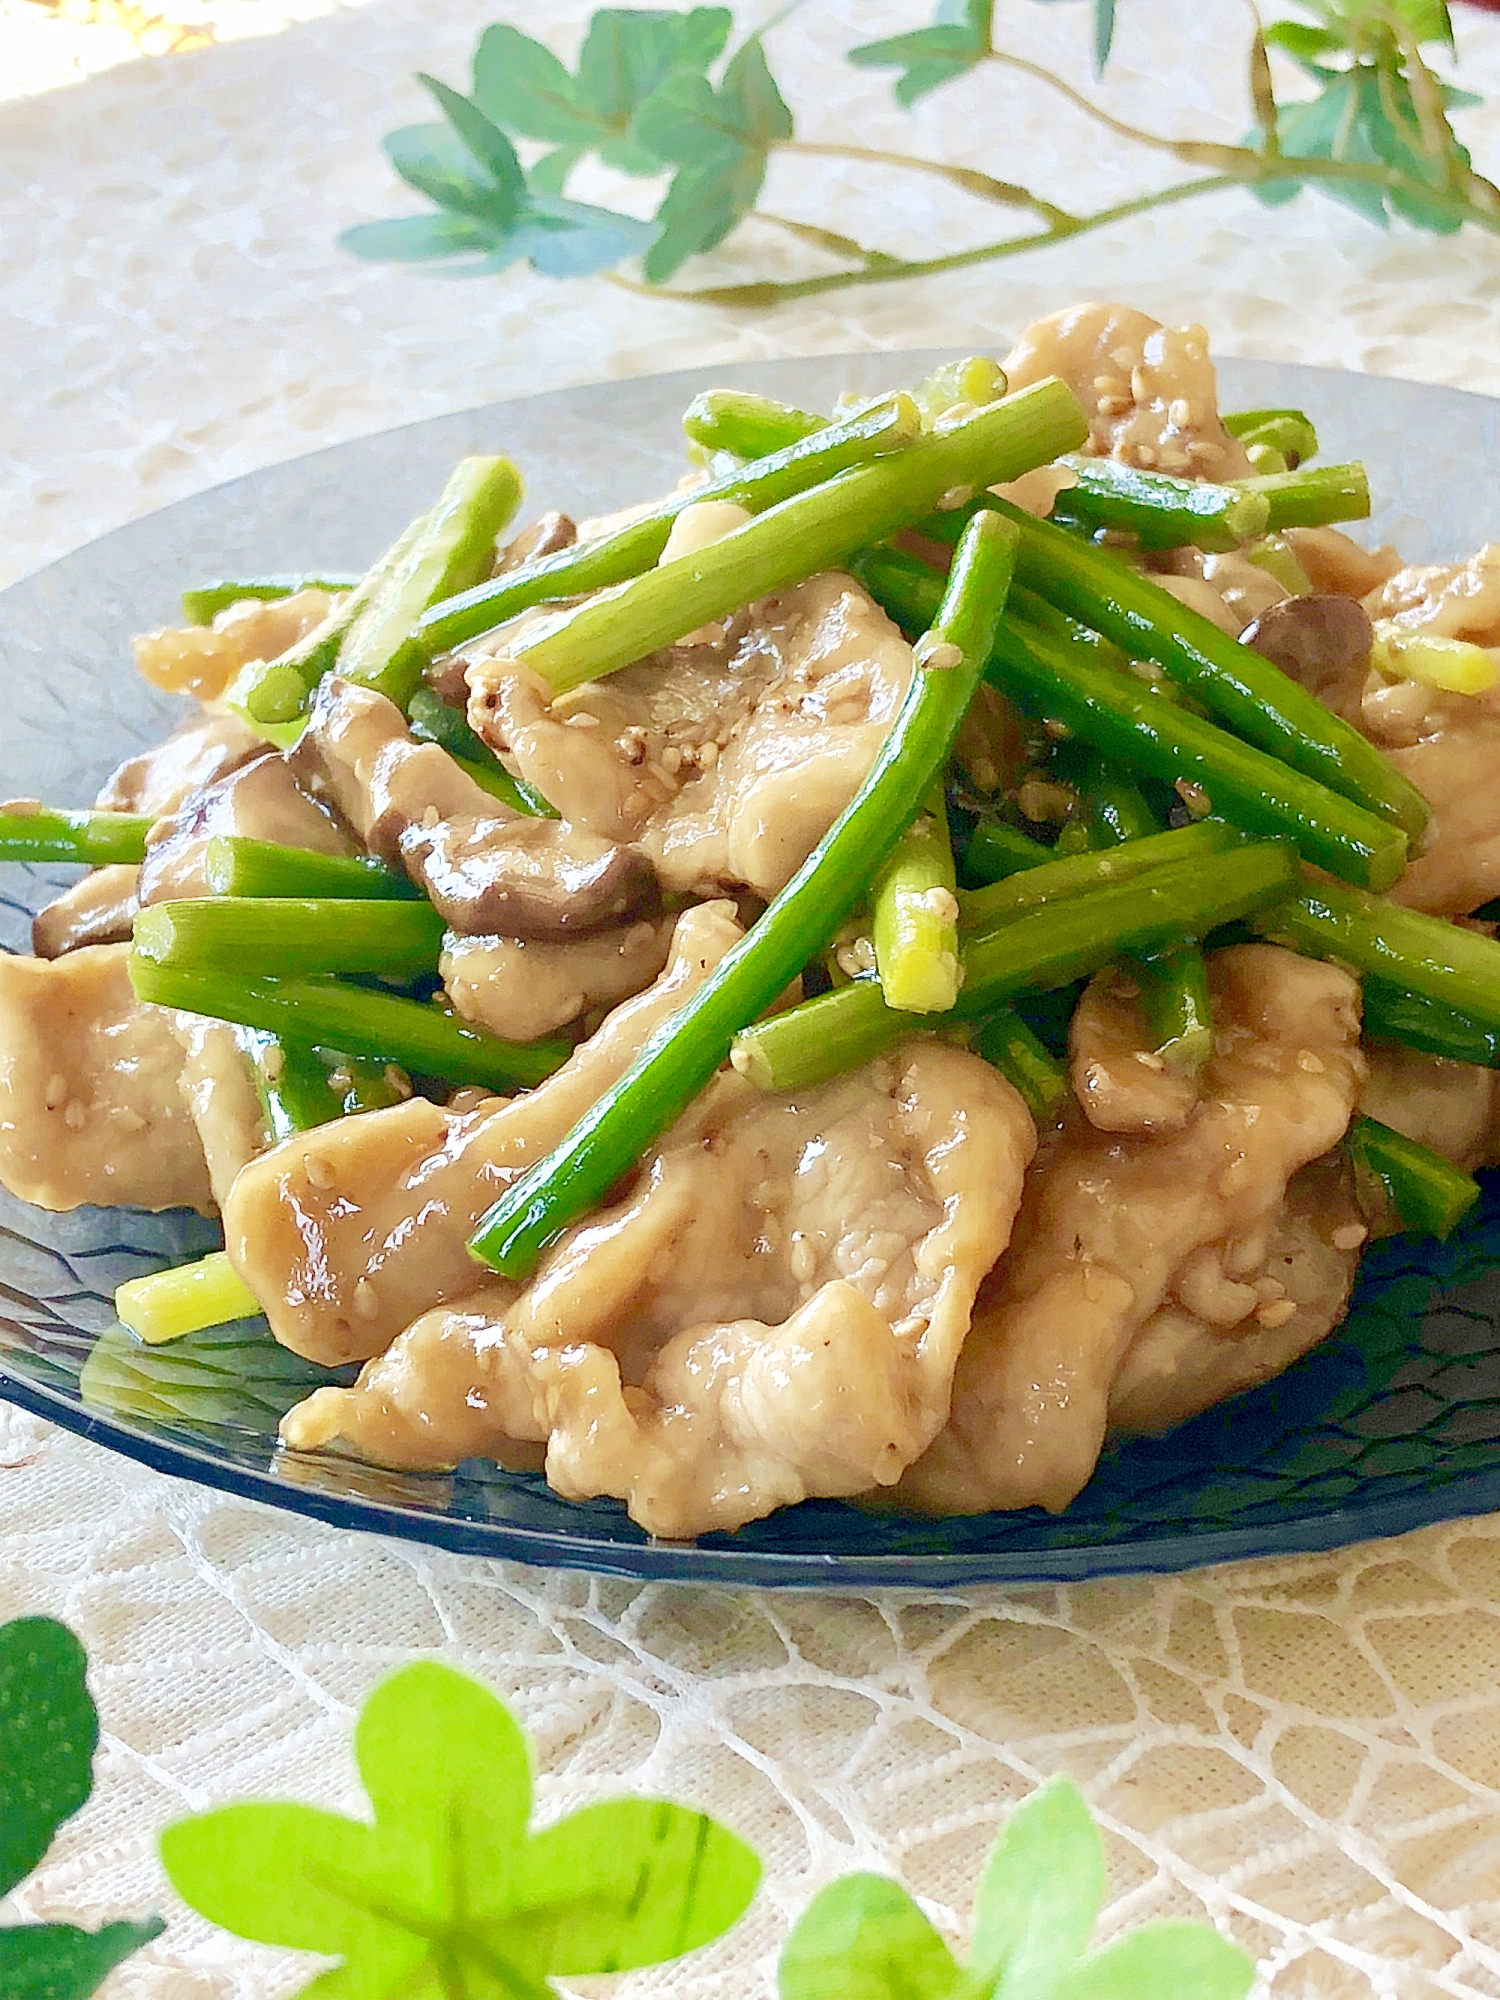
point(1308, 1749)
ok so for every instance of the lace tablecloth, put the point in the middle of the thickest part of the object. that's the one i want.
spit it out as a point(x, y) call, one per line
point(1307, 1750)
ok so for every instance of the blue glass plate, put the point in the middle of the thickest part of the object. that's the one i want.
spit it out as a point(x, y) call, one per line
point(1392, 1423)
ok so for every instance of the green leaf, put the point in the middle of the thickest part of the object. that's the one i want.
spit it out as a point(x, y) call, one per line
point(549, 175)
point(1104, 33)
point(447, 1770)
point(701, 207)
point(418, 239)
point(523, 87)
point(434, 161)
point(627, 54)
point(761, 113)
point(61, 1962)
point(863, 1938)
point(958, 39)
point(570, 239)
point(445, 1893)
point(294, 1875)
point(1170, 1958)
point(48, 1733)
point(1040, 1894)
point(633, 1882)
point(1304, 44)
point(488, 145)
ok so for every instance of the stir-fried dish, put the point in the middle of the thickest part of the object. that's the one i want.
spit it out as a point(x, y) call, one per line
point(940, 941)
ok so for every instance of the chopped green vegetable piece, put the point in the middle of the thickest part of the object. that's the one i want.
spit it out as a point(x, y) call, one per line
point(186, 1299)
point(1233, 682)
point(1429, 1195)
point(1160, 511)
point(1059, 876)
point(1425, 957)
point(235, 865)
point(202, 605)
point(454, 550)
point(745, 425)
point(975, 381)
point(1023, 1060)
point(810, 532)
point(1394, 1015)
point(685, 1051)
point(98, 838)
point(301, 1087)
point(1032, 948)
point(433, 720)
point(995, 851)
point(632, 549)
point(915, 927)
point(423, 1039)
point(1176, 1004)
point(272, 695)
point(1122, 717)
point(291, 935)
point(1287, 432)
point(1313, 497)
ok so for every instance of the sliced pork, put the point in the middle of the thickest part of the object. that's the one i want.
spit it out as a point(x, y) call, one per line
point(1115, 1227)
point(90, 1110)
point(727, 760)
point(1149, 391)
point(772, 1313)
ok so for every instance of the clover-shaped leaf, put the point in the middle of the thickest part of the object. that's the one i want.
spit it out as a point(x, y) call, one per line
point(626, 55)
point(719, 140)
point(49, 1731)
point(446, 1893)
point(863, 1938)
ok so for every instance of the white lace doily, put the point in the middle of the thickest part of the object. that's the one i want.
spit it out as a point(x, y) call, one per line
point(1309, 1749)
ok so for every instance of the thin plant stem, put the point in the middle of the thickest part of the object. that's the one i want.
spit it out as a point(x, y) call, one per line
point(1196, 152)
point(1008, 193)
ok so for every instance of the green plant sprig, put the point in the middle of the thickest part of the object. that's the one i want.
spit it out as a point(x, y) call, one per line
point(49, 1730)
point(654, 97)
point(1039, 1897)
point(445, 1893)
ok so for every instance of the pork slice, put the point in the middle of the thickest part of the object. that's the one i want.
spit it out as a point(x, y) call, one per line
point(1448, 745)
point(219, 1091)
point(1118, 1080)
point(99, 908)
point(773, 1313)
point(1452, 600)
point(202, 660)
point(1149, 391)
point(349, 1232)
point(90, 1110)
point(258, 801)
point(1181, 1362)
point(198, 752)
point(524, 988)
point(1113, 1227)
point(727, 760)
